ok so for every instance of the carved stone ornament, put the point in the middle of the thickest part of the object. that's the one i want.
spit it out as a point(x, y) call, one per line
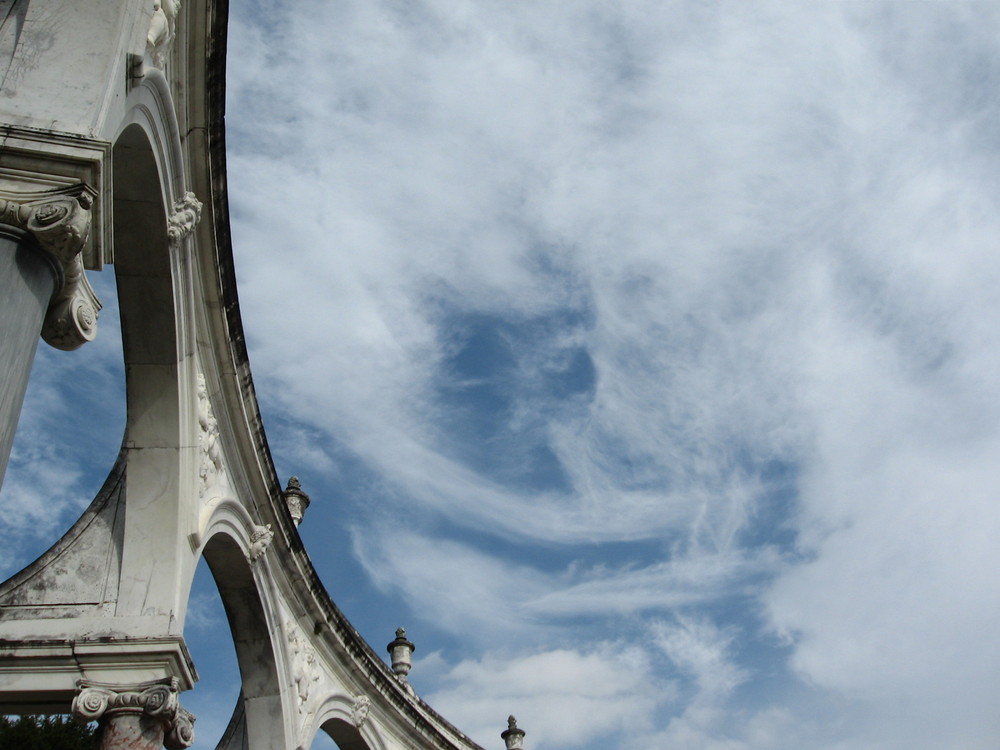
point(60, 221)
point(208, 439)
point(184, 218)
point(162, 30)
point(360, 709)
point(260, 540)
point(296, 500)
point(157, 700)
point(512, 736)
point(305, 667)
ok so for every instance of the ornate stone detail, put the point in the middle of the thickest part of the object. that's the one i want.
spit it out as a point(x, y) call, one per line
point(512, 736)
point(157, 700)
point(180, 734)
point(162, 30)
point(260, 539)
point(359, 711)
point(71, 320)
point(296, 500)
point(305, 667)
point(184, 218)
point(60, 222)
point(208, 439)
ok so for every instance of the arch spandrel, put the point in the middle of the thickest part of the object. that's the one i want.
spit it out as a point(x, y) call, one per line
point(195, 477)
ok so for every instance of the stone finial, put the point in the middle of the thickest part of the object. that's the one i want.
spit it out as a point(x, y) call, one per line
point(401, 651)
point(512, 737)
point(296, 500)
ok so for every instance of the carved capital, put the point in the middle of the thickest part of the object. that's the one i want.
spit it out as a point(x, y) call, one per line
point(60, 221)
point(184, 218)
point(71, 320)
point(157, 700)
point(180, 734)
point(260, 539)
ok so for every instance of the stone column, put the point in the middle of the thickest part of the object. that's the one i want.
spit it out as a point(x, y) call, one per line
point(145, 716)
point(29, 277)
point(43, 289)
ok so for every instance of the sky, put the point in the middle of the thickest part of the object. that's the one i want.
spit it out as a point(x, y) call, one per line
point(641, 358)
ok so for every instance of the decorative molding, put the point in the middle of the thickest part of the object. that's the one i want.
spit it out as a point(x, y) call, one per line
point(184, 218)
point(162, 30)
point(260, 539)
point(208, 439)
point(59, 221)
point(157, 700)
point(359, 711)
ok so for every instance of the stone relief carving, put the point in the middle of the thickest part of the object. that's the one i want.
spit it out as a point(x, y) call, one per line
point(184, 218)
point(359, 711)
point(60, 222)
point(305, 667)
point(162, 30)
point(211, 452)
point(156, 699)
point(260, 539)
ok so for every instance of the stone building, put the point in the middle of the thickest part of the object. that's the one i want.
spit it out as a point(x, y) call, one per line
point(113, 152)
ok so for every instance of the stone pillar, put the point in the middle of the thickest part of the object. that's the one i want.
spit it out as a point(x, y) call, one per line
point(43, 289)
point(29, 277)
point(145, 716)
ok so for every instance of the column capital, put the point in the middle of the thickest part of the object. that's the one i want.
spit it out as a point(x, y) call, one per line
point(59, 221)
point(156, 700)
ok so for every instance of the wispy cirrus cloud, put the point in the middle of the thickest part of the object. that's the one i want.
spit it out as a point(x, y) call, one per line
point(622, 335)
point(661, 314)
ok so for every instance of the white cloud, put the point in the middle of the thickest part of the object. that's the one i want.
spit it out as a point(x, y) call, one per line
point(561, 698)
point(768, 233)
point(774, 228)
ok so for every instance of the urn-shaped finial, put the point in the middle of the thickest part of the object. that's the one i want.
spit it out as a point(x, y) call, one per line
point(512, 736)
point(296, 500)
point(401, 651)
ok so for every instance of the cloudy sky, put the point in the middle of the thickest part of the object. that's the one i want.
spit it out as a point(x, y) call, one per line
point(642, 358)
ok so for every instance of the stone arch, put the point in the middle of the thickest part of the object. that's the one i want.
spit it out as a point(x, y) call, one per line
point(152, 347)
point(345, 720)
point(345, 734)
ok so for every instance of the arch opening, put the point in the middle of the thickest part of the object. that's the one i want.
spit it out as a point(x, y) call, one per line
point(339, 734)
point(260, 692)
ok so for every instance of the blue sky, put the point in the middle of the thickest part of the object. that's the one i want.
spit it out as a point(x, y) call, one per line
point(641, 358)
